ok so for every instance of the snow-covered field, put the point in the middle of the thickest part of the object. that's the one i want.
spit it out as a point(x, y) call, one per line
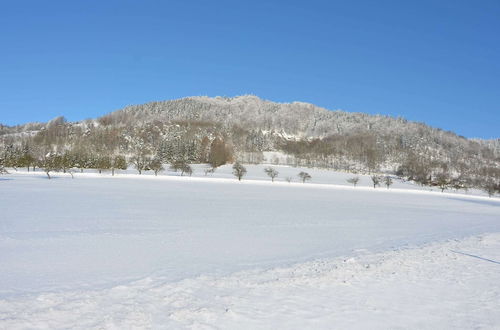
point(432, 287)
point(136, 251)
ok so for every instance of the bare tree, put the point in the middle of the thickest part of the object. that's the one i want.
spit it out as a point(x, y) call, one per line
point(442, 181)
point(354, 180)
point(188, 170)
point(51, 162)
point(288, 179)
point(26, 159)
point(271, 172)
point(375, 181)
point(3, 170)
point(388, 181)
point(156, 166)
point(2, 167)
point(210, 170)
point(459, 183)
point(490, 188)
point(140, 162)
point(181, 165)
point(239, 170)
point(304, 176)
point(67, 161)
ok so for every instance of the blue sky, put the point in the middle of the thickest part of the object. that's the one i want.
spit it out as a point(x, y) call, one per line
point(436, 62)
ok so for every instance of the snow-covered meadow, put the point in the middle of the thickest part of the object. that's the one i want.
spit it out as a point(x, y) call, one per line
point(208, 251)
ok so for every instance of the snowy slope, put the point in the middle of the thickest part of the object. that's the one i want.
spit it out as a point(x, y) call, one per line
point(114, 246)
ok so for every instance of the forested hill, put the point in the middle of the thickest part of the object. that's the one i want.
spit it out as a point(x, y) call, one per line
point(243, 127)
point(298, 118)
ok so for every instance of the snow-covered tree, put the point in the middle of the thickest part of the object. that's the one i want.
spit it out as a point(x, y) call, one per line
point(103, 163)
point(118, 162)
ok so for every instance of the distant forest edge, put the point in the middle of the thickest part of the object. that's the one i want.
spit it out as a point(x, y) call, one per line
point(221, 130)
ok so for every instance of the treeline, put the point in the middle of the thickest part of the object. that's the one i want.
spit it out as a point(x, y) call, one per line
point(63, 146)
point(473, 166)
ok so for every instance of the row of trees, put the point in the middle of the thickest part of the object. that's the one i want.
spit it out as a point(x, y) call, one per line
point(376, 180)
point(53, 162)
point(111, 152)
point(66, 162)
point(441, 181)
point(239, 172)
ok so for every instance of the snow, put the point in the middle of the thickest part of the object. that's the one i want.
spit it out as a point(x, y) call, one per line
point(436, 286)
point(200, 252)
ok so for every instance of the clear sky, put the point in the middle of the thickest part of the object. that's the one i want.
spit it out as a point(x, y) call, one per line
point(432, 61)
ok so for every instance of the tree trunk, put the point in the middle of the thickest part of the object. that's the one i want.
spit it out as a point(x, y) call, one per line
point(113, 171)
point(48, 175)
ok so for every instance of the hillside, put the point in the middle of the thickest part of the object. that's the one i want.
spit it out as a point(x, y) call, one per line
point(219, 130)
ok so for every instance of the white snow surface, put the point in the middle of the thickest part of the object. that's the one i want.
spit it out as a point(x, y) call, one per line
point(136, 251)
point(439, 286)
